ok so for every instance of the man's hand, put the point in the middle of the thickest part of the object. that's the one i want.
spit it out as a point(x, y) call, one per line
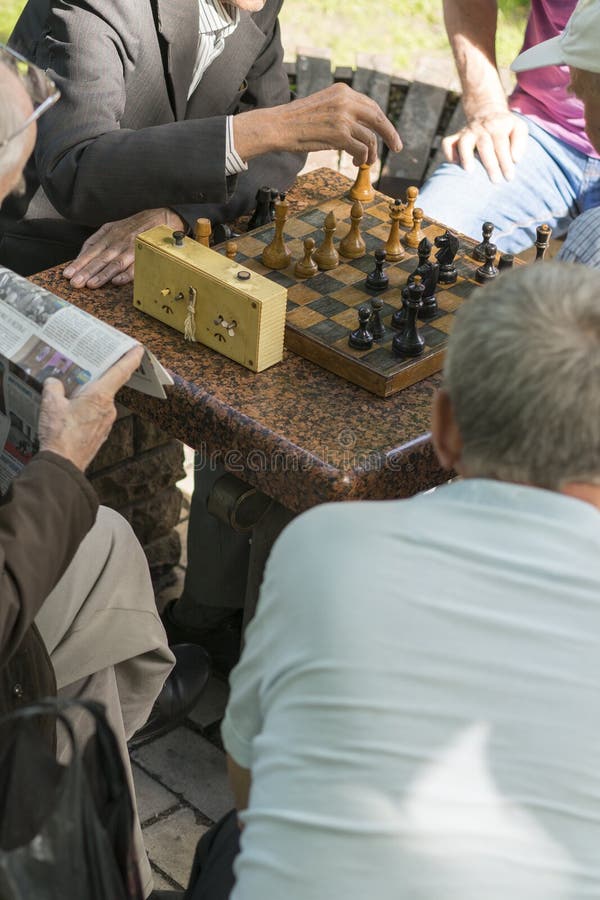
point(336, 118)
point(499, 139)
point(108, 254)
point(76, 428)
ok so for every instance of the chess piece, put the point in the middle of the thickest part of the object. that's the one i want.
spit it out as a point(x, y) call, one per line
point(399, 317)
point(326, 256)
point(231, 250)
point(393, 248)
point(276, 255)
point(479, 251)
point(415, 235)
point(203, 232)
point(307, 266)
point(362, 189)
point(377, 280)
point(352, 246)
point(543, 233)
point(362, 338)
point(406, 216)
point(506, 261)
point(488, 271)
point(448, 248)
point(376, 326)
point(428, 272)
point(409, 342)
point(264, 211)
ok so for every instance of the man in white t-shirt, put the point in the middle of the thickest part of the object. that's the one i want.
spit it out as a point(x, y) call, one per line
point(415, 714)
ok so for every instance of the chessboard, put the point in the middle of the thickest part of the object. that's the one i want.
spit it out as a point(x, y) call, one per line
point(322, 310)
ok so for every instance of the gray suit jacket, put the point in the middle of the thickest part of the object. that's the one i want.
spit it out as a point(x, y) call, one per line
point(123, 136)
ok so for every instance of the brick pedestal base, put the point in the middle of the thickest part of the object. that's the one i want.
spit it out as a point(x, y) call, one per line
point(136, 472)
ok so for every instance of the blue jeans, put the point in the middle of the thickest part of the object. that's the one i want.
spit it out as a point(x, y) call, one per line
point(553, 183)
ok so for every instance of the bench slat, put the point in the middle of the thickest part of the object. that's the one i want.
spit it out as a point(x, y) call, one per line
point(417, 126)
point(313, 72)
point(456, 122)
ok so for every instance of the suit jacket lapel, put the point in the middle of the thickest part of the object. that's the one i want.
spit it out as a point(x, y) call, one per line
point(177, 23)
point(221, 81)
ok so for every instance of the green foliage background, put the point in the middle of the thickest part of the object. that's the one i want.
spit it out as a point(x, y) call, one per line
point(402, 29)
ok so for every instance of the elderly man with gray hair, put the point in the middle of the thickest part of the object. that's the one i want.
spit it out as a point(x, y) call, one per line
point(415, 713)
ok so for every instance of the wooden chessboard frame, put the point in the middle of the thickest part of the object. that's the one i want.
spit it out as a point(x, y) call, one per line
point(338, 357)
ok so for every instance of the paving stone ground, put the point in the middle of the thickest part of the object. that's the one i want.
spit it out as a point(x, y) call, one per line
point(180, 779)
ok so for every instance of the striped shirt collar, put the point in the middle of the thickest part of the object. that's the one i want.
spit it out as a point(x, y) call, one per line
point(216, 16)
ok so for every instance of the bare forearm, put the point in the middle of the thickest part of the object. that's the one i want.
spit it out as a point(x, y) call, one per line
point(335, 118)
point(471, 27)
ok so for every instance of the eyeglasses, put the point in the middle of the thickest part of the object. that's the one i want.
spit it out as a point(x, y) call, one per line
point(40, 87)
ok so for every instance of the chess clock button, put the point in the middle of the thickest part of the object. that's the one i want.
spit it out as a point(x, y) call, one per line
point(178, 237)
point(243, 275)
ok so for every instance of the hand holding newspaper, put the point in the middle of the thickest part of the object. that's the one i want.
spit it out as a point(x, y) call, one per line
point(43, 336)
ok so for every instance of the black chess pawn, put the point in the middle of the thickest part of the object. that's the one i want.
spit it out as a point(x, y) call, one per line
point(488, 271)
point(376, 326)
point(262, 214)
point(543, 234)
point(362, 337)
point(409, 342)
point(399, 317)
point(506, 261)
point(377, 280)
point(448, 248)
point(479, 251)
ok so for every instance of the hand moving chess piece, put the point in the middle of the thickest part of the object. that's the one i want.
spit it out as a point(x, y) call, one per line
point(415, 235)
point(409, 342)
point(394, 250)
point(362, 189)
point(406, 216)
point(352, 246)
point(448, 248)
point(478, 252)
point(362, 337)
point(307, 266)
point(488, 271)
point(377, 280)
point(276, 255)
point(543, 234)
point(326, 256)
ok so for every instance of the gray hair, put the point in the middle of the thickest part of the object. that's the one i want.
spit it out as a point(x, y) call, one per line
point(523, 375)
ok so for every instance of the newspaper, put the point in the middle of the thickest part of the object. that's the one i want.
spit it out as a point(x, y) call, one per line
point(42, 335)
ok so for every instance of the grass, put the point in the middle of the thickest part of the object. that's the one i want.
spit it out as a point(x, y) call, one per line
point(401, 29)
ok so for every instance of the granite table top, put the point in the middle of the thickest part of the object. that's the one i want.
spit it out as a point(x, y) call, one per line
point(298, 433)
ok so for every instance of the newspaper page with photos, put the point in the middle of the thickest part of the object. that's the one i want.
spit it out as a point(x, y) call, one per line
point(42, 336)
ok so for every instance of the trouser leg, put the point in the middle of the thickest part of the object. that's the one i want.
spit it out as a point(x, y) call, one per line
point(212, 875)
point(546, 189)
point(217, 568)
point(100, 623)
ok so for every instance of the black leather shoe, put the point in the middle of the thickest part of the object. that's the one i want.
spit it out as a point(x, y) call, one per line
point(222, 642)
point(180, 693)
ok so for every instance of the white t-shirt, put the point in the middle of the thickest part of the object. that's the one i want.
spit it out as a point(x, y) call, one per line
point(419, 702)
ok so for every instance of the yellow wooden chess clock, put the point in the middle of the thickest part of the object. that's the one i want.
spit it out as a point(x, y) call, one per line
point(209, 298)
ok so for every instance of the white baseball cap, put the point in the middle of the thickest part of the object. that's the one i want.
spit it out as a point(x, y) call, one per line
point(578, 45)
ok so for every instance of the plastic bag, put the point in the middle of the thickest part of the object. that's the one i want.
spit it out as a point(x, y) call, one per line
point(65, 830)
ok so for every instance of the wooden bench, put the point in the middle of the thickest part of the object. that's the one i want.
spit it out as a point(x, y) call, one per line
point(422, 113)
